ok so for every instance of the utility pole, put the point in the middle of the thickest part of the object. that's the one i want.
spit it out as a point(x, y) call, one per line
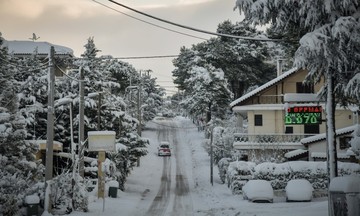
point(50, 130)
point(99, 113)
point(139, 113)
point(81, 123)
point(139, 105)
point(211, 157)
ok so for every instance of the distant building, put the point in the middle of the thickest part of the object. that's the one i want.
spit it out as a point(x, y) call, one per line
point(283, 112)
point(22, 49)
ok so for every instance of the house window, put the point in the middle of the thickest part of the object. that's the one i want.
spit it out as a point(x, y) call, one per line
point(311, 129)
point(289, 130)
point(304, 88)
point(345, 142)
point(258, 120)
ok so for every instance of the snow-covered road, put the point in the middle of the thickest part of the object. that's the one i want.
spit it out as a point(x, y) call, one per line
point(173, 196)
point(180, 184)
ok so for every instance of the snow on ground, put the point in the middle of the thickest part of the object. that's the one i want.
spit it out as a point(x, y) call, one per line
point(208, 200)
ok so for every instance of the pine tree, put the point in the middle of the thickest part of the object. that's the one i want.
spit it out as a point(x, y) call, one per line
point(18, 169)
point(209, 93)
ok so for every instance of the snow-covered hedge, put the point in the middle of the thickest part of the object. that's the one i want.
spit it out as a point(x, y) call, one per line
point(280, 174)
point(238, 173)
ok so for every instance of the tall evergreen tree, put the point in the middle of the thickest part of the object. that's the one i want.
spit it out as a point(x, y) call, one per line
point(209, 93)
point(18, 169)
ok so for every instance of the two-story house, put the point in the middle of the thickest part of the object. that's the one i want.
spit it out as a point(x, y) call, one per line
point(280, 114)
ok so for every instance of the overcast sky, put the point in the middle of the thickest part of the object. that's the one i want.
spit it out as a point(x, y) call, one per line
point(70, 23)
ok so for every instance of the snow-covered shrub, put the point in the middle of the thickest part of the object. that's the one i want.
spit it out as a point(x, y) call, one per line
point(19, 171)
point(223, 165)
point(237, 184)
point(68, 193)
point(314, 172)
point(280, 173)
point(355, 141)
point(237, 173)
point(119, 169)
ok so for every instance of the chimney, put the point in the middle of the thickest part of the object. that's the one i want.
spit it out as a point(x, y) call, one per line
point(279, 67)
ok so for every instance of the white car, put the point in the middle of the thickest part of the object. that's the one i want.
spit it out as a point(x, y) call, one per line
point(164, 149)
point(258, 191)
point(299, 190)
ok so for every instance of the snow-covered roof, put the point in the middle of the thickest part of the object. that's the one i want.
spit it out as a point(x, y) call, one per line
point(28, 48)
point(295, 152)
point(323, 155)
point(322, 136)
point(263, 87)
point(300, 97)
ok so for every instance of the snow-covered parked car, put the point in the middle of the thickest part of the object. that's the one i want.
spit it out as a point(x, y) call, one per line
point(258, 191)
point(164, 149)
point(299, 190)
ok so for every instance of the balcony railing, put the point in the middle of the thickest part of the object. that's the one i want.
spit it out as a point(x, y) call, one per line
point(283, 141)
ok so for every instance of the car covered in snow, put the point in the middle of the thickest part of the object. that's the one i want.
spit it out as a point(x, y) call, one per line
point(164, 149)
point(299, 190)
point(259, 191)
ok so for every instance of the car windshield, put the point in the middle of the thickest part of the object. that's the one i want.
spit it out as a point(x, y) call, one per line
point(164, 146)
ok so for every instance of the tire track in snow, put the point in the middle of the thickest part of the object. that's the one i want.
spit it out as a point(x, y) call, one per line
point(162, 198)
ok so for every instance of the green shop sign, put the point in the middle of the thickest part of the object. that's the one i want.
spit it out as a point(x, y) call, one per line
point(303, 115)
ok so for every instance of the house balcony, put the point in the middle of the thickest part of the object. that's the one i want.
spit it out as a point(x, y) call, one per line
point(245, 141)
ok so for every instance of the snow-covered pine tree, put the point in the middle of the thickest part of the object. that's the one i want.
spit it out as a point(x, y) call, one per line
point(32, 94)
point(209, 93)
point(19, 171)
point(152, 97)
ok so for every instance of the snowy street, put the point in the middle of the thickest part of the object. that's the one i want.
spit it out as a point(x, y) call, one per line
point(180, 184)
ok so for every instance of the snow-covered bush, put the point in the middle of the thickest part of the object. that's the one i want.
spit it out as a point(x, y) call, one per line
point(355, 141)
point(68, 193)
point(19, 171)
point(121, 168)
point(280, 173)
point(238, 173)
point(223, 165)
point(314, 172)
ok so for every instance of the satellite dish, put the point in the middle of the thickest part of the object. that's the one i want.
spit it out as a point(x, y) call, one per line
point(34, 38)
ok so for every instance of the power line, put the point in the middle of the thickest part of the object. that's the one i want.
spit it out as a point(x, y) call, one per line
point(42, 66)
point(148, 22)
point(195, 29)
point(134, 57)
point(147, 57)
point(63, 72)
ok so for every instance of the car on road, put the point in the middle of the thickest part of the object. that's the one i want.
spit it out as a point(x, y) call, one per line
point(259, 191)
point(299, 190)
point(164, 149)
